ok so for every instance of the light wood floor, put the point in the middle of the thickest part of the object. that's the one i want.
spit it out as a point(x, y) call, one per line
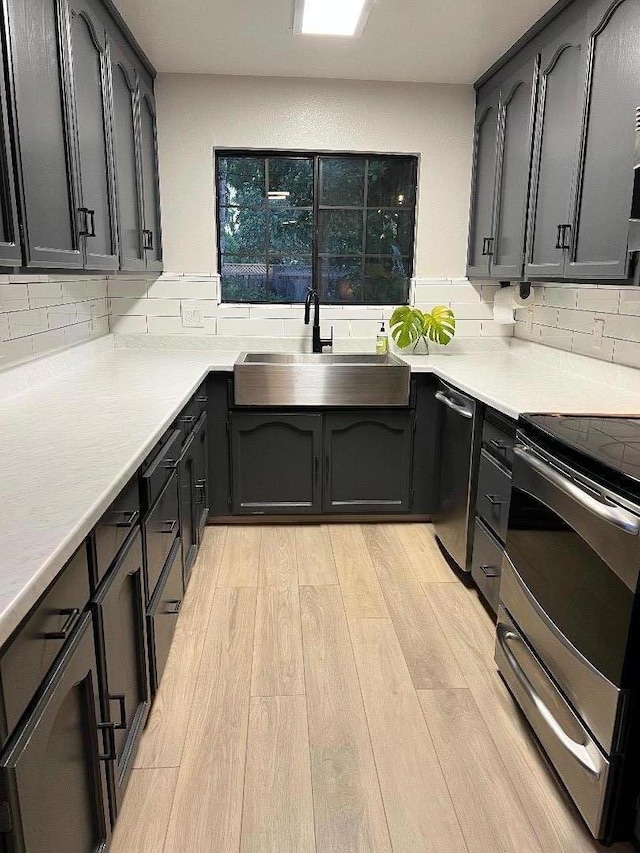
point(332, 689)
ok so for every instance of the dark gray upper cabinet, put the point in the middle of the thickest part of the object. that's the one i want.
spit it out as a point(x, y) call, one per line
point(555, 151)
point(46, 158)
point(515, 134)
point(92, 117)
point(483, 180)
point(124, 84)
point(368, 461)
point(152, 236)
point(598, 244)
point(10, 249)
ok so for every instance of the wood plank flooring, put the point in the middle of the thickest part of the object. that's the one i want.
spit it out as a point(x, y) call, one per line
point(331, 689)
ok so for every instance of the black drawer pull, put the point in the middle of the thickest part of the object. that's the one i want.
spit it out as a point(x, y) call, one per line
point(171, 611)
point(500, 445)
point(169, 526)
point(72, 614)
point(120, 699)
point(89, 216)
point(496, 501)
point(201, 399)
point(123, 518)
point(187, 419)
point(490, 571)
point(108, 729)
point(147, 239)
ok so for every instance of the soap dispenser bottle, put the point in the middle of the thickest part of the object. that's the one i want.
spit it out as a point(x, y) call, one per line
point(382, 341)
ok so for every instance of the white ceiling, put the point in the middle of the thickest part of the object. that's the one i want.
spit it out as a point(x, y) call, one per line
point(404, 40)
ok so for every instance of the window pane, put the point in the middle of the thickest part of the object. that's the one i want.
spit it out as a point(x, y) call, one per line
point(391, 183)
point(244, 279)
point(341, 279)
point(241, 180)
point(341, 231)
point(242, 229)
point(386, 281)
point(290, 230)
point(289, 278)
point(342, 181)
point(293, 176)
point(388, 232)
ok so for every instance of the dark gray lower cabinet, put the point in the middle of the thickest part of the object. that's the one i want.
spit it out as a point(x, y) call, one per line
point(52, 776)
point(368, 461)
point(119, 612)
point(276, 462)
point(163, 613)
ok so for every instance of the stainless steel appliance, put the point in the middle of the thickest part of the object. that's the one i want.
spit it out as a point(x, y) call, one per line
point(458, 450)
point(566, 642)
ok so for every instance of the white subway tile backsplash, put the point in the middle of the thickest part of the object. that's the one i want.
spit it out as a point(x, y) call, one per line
point(174, 326)
point(622, 326)
point(128, 325)
point(4, 327)
point(128, 289)
point(605, 299)
point(559, 297)
point(184, 288)
point(16, 350)
point(630, 301)
point(586, 344)
point(472, 310)
point(575, 321)
point(544, 316)
point(14, 297)
point(264, 328)
point(627, 352)
point(23, 323)
point(59, 316)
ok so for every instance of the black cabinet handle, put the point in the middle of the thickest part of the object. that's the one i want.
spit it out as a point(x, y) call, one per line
point(561, 239)
point(168, 526)
point(72, 615)
point(487, 245)
point(201, 399)
point(108, 729)
point(123, 518)
point(175, 609)
point(326, 467)
point(490, 571)
point(496, 501)
point(500, 445)
point(89, 217)
point(120, 699)
point(147, 239)
point(316, 468)
point(187, 419)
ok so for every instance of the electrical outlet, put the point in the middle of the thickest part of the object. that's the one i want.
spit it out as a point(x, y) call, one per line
point(192, 316)
point(529, 320)
point(598, 332)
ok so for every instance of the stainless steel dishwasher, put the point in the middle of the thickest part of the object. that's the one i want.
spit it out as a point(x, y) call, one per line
point(458, 449)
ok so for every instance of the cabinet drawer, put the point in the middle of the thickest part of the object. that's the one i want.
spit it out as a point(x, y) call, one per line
point(28, 657)
point(494, 495)
point(486, 563)
point(161, 528)
point(157, 470)
point(188, 417)
point(163, 614)
point(114, 527)
point(498, 443)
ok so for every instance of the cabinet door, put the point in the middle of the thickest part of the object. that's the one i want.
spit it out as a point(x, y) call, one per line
point(120, 616)
point(10, 249)
point(163, 614)
point(276, 463)
point(605, 185)
point(152, 237)
point(368, 462)
point(201, 452)
point(483, 185)
point(127, 165)
point(517, 112)
point(91, 99)
point(555, 152)
point(45, 144)
point(51, 773)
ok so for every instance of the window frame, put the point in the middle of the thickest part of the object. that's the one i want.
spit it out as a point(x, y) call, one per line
point(316, 156)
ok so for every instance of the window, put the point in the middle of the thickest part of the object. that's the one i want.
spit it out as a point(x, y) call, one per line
point(342, 222)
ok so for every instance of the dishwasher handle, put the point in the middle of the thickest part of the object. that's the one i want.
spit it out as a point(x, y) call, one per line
point(460, 410)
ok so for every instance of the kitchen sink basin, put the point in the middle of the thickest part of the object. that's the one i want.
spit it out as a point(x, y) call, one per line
point(320, 379)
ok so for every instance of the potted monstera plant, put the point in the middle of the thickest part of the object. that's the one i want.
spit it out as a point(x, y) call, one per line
point(412, 326)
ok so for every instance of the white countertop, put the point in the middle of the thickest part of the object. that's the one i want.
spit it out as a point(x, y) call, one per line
point(74, 438)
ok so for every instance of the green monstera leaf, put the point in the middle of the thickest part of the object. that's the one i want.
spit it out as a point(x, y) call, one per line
point(407, 325)
point(440, 324)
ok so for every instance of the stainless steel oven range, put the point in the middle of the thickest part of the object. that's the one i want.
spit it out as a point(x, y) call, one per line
point(567, 630)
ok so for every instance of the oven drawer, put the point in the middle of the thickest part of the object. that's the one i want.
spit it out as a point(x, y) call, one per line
point(579, 762)
point(599, 703)
point(494, 495)
point(486, 563)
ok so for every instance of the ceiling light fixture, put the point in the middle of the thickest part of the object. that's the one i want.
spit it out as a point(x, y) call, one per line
point(331, 17)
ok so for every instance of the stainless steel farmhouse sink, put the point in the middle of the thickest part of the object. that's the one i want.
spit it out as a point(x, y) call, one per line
point(320, 379)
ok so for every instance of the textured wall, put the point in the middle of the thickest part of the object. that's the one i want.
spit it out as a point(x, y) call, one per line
point(199, 112)
point(564, 317)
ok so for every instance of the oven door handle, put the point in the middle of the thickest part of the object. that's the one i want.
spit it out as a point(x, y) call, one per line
point(456, 408)
point(615, 515)
point(578, 750)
